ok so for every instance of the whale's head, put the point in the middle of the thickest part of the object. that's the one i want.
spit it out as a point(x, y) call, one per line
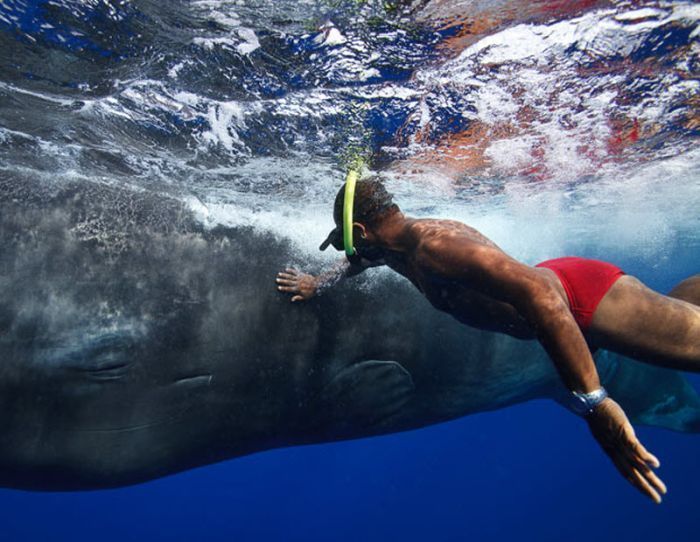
point(124, 322)
point(92, 280)
point(103, 298)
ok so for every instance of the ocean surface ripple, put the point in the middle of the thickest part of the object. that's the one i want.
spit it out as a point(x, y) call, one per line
point(487, 111)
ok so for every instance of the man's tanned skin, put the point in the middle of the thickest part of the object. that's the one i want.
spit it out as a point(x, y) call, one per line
point(465, 274)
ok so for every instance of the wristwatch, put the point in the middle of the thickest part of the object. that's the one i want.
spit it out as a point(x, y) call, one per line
point(584, 404)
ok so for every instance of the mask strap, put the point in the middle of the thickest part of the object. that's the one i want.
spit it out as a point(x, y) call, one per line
point(349, 199)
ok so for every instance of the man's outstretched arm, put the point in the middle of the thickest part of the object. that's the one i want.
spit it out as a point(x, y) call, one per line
point(492, 272)
point(304, 286)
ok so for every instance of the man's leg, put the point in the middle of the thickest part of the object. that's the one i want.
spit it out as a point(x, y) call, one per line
point(688, 290)
point(638, 322)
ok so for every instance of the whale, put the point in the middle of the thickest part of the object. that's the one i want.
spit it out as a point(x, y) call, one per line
point(137, 342)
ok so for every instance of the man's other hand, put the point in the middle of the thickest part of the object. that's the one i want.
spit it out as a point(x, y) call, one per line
point(615, 434)
point(302, 286)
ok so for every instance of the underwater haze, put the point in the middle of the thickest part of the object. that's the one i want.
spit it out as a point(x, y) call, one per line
point(554, 127)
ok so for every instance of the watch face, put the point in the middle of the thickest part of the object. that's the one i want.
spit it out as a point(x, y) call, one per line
point(579, 404)
point(584, 403)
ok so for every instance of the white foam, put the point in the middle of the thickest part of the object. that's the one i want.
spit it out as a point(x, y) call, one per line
point(188, 98)
point(42, 96)
point(238, 38)
point(221, 12)
point(224, 118)
point(639, 217)
point(213, 42)
point(329, 36)
point(638, 213)
point(637, 14)
point(6, 132)
point(175, 69)
point(250, 41)
point(508, 156)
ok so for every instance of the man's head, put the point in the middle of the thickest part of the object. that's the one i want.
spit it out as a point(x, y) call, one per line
point(372, 204)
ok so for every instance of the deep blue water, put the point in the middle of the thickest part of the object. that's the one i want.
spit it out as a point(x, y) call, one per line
point(530, 473)
point(254, 106)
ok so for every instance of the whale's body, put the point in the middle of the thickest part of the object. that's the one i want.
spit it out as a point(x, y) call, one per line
point(135, 343)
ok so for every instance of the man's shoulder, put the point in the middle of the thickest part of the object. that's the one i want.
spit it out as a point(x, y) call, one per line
point(427, 230)
point(442, 241)
point(437, 235)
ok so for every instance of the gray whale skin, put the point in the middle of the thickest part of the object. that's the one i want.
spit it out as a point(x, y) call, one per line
point(134, 344)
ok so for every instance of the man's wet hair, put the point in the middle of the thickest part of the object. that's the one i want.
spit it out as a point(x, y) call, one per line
point(372, 202)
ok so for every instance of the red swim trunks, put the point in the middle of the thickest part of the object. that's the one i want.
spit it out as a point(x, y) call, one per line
point(585, 282)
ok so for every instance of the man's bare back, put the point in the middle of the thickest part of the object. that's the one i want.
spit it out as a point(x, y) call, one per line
point(457, 297)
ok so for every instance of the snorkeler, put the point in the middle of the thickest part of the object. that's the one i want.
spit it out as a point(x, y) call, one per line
point(571, 305)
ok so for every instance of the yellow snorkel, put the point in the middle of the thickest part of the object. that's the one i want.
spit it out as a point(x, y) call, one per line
point(348, 201)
